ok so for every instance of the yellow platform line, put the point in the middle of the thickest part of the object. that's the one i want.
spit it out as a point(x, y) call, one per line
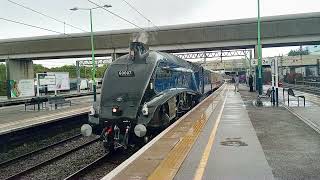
point(168, 168)
point(205, 156)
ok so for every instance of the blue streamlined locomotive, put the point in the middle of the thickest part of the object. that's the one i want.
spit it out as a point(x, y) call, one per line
point(145, 91)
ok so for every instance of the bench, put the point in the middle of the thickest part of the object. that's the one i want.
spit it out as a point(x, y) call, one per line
point(34, 101)
point(56, 100)
point(291, 93)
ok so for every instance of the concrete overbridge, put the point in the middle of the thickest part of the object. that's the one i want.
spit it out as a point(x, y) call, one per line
point(281, 30)
point(295, 29)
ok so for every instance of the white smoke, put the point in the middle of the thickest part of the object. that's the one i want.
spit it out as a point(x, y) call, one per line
point(140, 37)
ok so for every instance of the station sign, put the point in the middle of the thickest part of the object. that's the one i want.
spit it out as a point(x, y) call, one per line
point(47, 80)
point(265, 61)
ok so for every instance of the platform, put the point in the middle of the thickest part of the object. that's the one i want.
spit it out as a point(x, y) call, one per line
point(291, 146)
point(228, 147)
point(227, 137)
point(16, 101)
point(309, 113)
point(13, 118)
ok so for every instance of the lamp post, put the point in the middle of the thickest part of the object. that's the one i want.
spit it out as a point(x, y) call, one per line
point(92, 47)
point(259, 54)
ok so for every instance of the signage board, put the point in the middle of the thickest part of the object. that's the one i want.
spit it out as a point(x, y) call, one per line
point(62, 81)
point(265, 61)
point(22, 88)
point(26, 87)
point(47, 80)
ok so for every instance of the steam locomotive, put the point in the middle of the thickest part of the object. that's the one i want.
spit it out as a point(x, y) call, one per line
point(145, 91)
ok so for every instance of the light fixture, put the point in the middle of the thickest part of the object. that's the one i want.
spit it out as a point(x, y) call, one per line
point(74, 9)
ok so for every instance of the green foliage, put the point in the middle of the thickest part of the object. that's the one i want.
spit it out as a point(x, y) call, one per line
point(298, 52)
point(85, 72)
point(2, 72)
point(101, 70)
point(2, 88)
point(38, 68)
point(66, 68)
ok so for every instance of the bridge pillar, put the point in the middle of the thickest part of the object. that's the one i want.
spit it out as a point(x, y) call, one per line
point(114, 56)
point(18, 69)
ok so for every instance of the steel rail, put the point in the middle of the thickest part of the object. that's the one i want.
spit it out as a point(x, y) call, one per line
point(88, 167)
point(44, 163)
point(37, 150)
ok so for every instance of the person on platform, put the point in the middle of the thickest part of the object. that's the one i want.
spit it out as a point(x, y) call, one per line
point(236, 83)
point(251, 83)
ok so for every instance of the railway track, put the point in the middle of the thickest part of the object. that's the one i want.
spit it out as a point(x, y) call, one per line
point(88, 167)
point(48, 161)
point(5, 163)
point(82, 169)
point(101, 166)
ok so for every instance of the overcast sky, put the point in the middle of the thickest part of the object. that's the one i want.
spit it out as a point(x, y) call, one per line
point(160, 12)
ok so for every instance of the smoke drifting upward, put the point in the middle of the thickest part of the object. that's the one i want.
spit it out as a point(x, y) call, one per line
point(140, 37)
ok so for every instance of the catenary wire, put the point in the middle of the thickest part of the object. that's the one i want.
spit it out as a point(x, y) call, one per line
point(45, 15)
point(30, 25)
point(116, 15)
point(134, 8)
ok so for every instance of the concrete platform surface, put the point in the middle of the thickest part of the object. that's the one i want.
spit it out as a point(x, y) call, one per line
point(13, 118)
point(291, 147)
point(234, 153)
point(310, 113)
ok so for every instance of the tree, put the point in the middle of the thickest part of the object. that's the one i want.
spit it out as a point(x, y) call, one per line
point(299, 52)
point(2, 79)
point(3, 72)
point(101, 70)
point(72, 69)
point(85, 72)
point(38, 68)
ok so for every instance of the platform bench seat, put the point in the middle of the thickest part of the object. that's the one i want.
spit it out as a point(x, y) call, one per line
point(34, 101)
point(291, 93)
point(56, 100)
